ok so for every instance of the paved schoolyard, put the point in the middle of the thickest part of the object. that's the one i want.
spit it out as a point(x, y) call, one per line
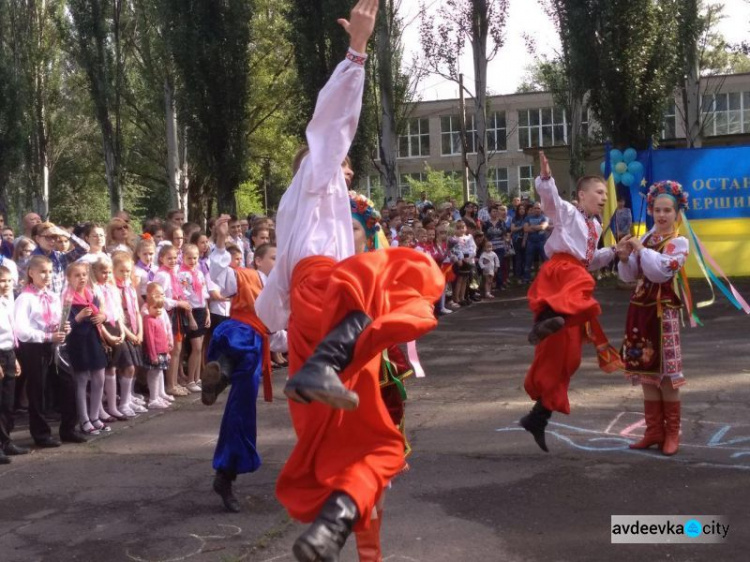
point(479, 488)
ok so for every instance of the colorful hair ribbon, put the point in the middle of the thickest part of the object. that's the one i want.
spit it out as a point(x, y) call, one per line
point(712, 271)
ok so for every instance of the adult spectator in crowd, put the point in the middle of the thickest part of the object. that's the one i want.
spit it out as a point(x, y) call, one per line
point(495, 230)
point(517, 237)
point(119, 236)
point(176, 217)
point(423, 201)
point(30, 220)
point(535, 227)
point(6, 246)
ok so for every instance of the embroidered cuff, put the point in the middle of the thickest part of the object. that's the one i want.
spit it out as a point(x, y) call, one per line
point(355, 57)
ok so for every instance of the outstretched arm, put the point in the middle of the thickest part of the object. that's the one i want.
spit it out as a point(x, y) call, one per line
point(334, 124)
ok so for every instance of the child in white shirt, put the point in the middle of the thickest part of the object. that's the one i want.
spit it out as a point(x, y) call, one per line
point(489, 263)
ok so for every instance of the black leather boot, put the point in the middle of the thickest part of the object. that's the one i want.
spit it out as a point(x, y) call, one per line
point(223, 486)
point(324, 539)
point(535, 421)
point(215, 377)
point(546, 324)
point(318, 379)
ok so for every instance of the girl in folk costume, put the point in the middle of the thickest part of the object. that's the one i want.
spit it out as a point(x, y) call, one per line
point(130, 354)
point(158, 341)
point(38, 328)
point(343, 307)
point(179, 313)
point(144, 271)
point(85, 348)
point(651, 350)
point(113, 333)
point(239, 354)
point(195, 288)
point(562, 300)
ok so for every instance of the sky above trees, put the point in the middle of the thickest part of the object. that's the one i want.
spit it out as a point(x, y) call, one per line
point(527, 18)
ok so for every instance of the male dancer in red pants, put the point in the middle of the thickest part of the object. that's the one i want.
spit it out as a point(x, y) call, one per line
point(343, 306)
point(562, 301)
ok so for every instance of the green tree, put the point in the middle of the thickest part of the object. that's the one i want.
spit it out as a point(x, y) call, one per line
point(320, 44)
point(11, 108)
point(210, 43)
point(439, 186)
point(628, 57)
point(95, 36)
point(445, 33)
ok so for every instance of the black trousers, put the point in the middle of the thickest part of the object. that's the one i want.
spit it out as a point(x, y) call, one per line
point(35, 360)
point(7, 394)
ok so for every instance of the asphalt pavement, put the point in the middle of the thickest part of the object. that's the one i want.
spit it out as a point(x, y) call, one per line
point(479, 489)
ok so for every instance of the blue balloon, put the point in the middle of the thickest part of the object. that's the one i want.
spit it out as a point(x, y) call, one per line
point(615, 156)
point(603, 167)
point(627, 179)
point(629, 155)
point(635, 168)
point(618, 177)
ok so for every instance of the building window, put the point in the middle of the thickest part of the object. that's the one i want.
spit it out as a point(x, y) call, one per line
point(727, 113)
point(415, 140)
point(497, 181)
point(450, 126)
point(497, 132)
point(669, 127)
point(525, 178)
point(542, 127)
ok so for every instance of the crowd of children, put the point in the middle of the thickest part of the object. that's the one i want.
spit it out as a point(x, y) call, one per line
point(87, 313)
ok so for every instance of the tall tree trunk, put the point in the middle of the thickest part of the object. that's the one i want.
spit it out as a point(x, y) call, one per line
point(480, 29)
point(691, 100)
point(388, 132)
point(173, 147)
point(576, 141)
point(183, 187)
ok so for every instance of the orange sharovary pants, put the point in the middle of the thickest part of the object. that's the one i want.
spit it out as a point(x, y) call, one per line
point(355, 452)
point(563, 285)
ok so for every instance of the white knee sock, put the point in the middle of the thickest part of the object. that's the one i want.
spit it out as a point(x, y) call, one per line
point(153, 376)
point(82, 381)
point(110, 386)
point(126, 389)
point(96, 410)
point(163, 393)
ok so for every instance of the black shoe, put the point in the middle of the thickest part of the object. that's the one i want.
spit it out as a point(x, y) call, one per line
point(47, 443)
point(535, 421)
point(318, 379)
point(215, 378)
point(223, 487)
point(547, 323)
point(11, 449)
point(325, 538)
point(3, 458)
point(74, 437)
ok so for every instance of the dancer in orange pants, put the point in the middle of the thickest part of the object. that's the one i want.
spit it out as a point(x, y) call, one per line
point(562, 301)
point(342, 306)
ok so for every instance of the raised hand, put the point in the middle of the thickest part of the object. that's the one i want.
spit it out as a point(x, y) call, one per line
point(360, 24)
point(545, 172)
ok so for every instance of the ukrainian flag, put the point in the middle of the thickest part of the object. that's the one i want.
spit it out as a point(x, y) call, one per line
point(611, 206)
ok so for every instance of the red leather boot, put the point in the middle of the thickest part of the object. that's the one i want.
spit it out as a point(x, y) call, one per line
point(654, 434)
point(368, 542)
point(672, 428)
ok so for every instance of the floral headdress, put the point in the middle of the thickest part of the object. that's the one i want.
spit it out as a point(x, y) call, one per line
point(670, 188)
point(363, 210)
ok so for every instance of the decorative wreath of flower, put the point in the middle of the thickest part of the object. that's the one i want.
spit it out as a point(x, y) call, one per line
point(667, 187)
point(364, 211)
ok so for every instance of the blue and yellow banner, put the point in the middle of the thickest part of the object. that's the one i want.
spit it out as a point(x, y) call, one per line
point(718, 183)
